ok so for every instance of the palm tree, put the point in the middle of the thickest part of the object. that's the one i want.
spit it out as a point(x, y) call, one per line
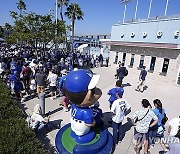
point(62, 3)
point(21, 6)
point(74, 13)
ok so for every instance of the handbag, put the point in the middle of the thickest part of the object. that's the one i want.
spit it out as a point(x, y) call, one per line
point(164, 120)
point(136, 120)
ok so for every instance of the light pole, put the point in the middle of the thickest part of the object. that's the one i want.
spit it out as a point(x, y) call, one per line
point(136, 9)
point(124, 1)
point(56, 25)
point(167, 1)
point(149, 9)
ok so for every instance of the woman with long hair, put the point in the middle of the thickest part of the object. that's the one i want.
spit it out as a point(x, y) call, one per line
point(158, 129)
point(142, 121)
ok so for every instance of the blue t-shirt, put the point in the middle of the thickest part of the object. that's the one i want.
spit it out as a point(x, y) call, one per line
point(82, 113)
point(159, 115)
point(113, 93)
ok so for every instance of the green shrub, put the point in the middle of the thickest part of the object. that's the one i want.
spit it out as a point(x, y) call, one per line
point(15, 136)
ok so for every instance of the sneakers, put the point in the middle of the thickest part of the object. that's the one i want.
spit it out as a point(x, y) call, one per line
point(66, 110)
point(52, 98)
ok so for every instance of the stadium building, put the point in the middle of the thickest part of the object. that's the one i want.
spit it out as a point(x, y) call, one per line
point(153, 42)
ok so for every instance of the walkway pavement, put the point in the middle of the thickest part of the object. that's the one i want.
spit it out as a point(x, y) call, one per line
point(169, 95)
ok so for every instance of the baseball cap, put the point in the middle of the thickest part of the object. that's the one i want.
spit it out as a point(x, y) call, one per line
point(120, 92)
point(81, 80)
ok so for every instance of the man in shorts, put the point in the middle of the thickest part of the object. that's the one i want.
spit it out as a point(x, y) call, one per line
point(52, 78)
point(41, 81)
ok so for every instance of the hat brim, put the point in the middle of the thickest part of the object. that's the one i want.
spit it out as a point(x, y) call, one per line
point(94, 81)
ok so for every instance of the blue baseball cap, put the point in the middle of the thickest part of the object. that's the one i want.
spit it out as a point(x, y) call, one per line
point(120, 92)
point(81, 80)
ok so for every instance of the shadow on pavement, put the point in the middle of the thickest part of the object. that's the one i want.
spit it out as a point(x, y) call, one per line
point(46, 143)
point(107, 119)
point(126, 85)
point(126, 127)
point(56, 110)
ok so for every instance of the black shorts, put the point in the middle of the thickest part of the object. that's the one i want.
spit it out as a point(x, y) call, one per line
point(52, 88)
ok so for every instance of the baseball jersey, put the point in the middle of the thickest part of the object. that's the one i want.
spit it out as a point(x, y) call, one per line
point(80, 116)
point(119, 107)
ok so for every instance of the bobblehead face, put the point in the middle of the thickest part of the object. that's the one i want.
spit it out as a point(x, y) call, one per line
point(85, 99)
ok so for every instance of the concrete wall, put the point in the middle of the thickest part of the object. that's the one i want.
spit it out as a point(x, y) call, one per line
point(173, 68)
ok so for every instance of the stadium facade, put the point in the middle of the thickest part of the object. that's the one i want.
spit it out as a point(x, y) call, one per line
point(154, 43)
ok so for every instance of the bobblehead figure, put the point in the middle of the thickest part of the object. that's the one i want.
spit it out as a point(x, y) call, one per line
point(80, 88)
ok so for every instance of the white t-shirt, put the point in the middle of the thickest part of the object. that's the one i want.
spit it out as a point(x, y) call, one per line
point(174, 123)
point(33, 84)
point(118, 108)
point(52, 78)
point(36, 118)
point(143, 125)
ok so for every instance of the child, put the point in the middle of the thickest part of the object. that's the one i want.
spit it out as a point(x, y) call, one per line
point(114, 91)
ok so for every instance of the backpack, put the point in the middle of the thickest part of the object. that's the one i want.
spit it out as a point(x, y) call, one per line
point(165, 119)
point(126, 72)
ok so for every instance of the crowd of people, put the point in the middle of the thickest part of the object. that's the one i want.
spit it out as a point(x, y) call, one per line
point(30, 71)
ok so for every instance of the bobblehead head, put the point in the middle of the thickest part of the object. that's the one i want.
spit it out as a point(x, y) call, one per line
point(80, 86)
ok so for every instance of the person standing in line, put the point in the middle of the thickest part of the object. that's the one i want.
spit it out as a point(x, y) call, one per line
point(52, 78)
point(122, 72)
point(41, 81)
point(142, 121)
point(64, 99)
point(157, 131)
point(142, 78)
point(118, 109)
point(113, 92)
point(173, 126)
point(26, 72)
point(174, 143)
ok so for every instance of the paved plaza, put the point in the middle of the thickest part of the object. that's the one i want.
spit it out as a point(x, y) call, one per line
point(169, 95)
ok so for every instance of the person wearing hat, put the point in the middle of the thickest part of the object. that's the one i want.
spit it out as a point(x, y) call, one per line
point(119, 107)
point(80, 88)
point(113, 92)
point(40, 124)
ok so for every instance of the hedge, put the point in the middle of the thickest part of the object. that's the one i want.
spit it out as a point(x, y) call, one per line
point(15, 136)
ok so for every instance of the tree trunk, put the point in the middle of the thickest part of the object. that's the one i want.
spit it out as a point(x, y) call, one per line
point(73, 22)
point(61, 14)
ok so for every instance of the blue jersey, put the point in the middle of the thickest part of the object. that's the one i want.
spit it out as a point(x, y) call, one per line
point(18, 86)
point(13, 78)
point(97, 113)
point(82, 114)
point(113, 93)
point(13, 66)
point(61, 82)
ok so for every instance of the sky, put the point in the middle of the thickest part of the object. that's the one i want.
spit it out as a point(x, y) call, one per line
point(99, 15)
